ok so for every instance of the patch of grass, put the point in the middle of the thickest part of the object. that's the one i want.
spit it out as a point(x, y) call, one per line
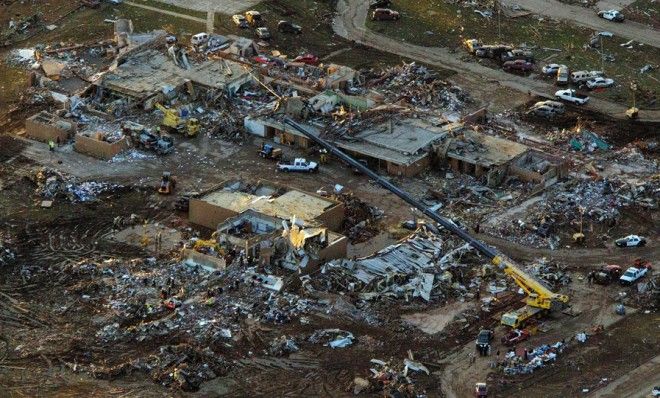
point(435, 23)
point(644, 11)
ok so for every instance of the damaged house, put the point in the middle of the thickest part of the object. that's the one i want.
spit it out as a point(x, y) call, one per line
point(235, 197)
point(478, 154)
point(402, 148)
point(151, 75)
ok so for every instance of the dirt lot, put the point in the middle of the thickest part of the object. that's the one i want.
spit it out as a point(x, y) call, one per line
point(84, 314)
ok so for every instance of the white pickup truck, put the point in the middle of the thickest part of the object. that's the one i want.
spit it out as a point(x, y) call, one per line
point(299, 164)
point(572, 96)
point(632, 274)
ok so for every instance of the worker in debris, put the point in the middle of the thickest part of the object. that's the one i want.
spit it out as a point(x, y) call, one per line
point(323, 156)
point(51, 145)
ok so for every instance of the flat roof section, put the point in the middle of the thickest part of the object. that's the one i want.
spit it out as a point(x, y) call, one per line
point(402, 143)
point(484, 150)
point(292, 203)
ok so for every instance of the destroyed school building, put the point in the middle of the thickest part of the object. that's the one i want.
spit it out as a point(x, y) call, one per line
point(253, 218)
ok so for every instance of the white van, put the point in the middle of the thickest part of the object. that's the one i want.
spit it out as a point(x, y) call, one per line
point(199, 39)
point(582, 76)
point(562, 75)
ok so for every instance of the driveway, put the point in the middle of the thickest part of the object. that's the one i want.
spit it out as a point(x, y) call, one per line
point(350, 24)
point(587, 17)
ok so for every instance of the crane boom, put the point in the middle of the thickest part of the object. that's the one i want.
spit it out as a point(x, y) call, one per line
point(538, 296)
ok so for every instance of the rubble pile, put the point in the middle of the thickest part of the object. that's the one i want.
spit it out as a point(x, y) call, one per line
point(418, 86)
point(360, 222)
point(52, 184)
point(7, 256)
point(553, 274)
point(532, 360)
point(391, 379)
point(423, 265)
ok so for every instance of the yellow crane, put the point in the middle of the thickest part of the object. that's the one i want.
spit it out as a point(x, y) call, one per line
point(173, 122)
point(539, 298)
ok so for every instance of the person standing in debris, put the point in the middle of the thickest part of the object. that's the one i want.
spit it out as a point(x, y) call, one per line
point(51, 146)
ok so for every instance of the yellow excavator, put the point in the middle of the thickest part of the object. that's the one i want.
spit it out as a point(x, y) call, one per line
point(539, 298)
point(175, 123)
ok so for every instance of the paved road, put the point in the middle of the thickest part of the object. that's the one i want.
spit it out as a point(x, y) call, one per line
point(587, 17)
point(166, 12)
point(350, 24)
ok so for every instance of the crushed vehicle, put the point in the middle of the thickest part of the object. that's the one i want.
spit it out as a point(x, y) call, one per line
point(494, 51)
point(543, 111)
point(299, 165)
point(240, 21)
point(262, 33)
point(517, 54)
point(518, 65)
point(630, 241)
point(254, 18)
point(607, 274)
point(515, 336)
point(611, 15)
point(572, 96)
point(289, 27)
point(385, 14)
point(551, 69)
point(633, 274)
point(599, 82)
point(472, 45)
point(483, 341)
point(199, 39)
point(144, 139)
point(309, 59)
point(556, 106)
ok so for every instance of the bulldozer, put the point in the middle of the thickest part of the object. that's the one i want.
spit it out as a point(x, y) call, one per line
point(167, 183)
point(175, 123)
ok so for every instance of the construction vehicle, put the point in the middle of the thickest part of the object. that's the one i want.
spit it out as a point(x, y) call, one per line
point(167, 183)
point(142, 138)
point(268, 151)
point(178, 124)
point(578, 237)
point(539, 298)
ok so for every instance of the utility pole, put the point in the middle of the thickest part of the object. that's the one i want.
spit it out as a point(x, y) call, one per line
point(602, 55)
point(499, 21)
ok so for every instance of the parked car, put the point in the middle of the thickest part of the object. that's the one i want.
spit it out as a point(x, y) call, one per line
point(582, 75)
point(607, 274)
point(557, 106)
point(298, 164)
point(481, 390)
point(380, 3)
point(515, 336)
point(516, 54)
point(631, 241)
point(562, 75)
point(240, 21)
point(385, 14)
point(611, 15)
point(632, 275)
point(262, 33)
point(598, 82)
point(543, 111)
point(518, 65)
point(572, 96)
point(254, 18)
point(472, 45)
point(309, 59)
point(289, 27)
point(551, 69)
point(199, 39)
point(483, 341)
